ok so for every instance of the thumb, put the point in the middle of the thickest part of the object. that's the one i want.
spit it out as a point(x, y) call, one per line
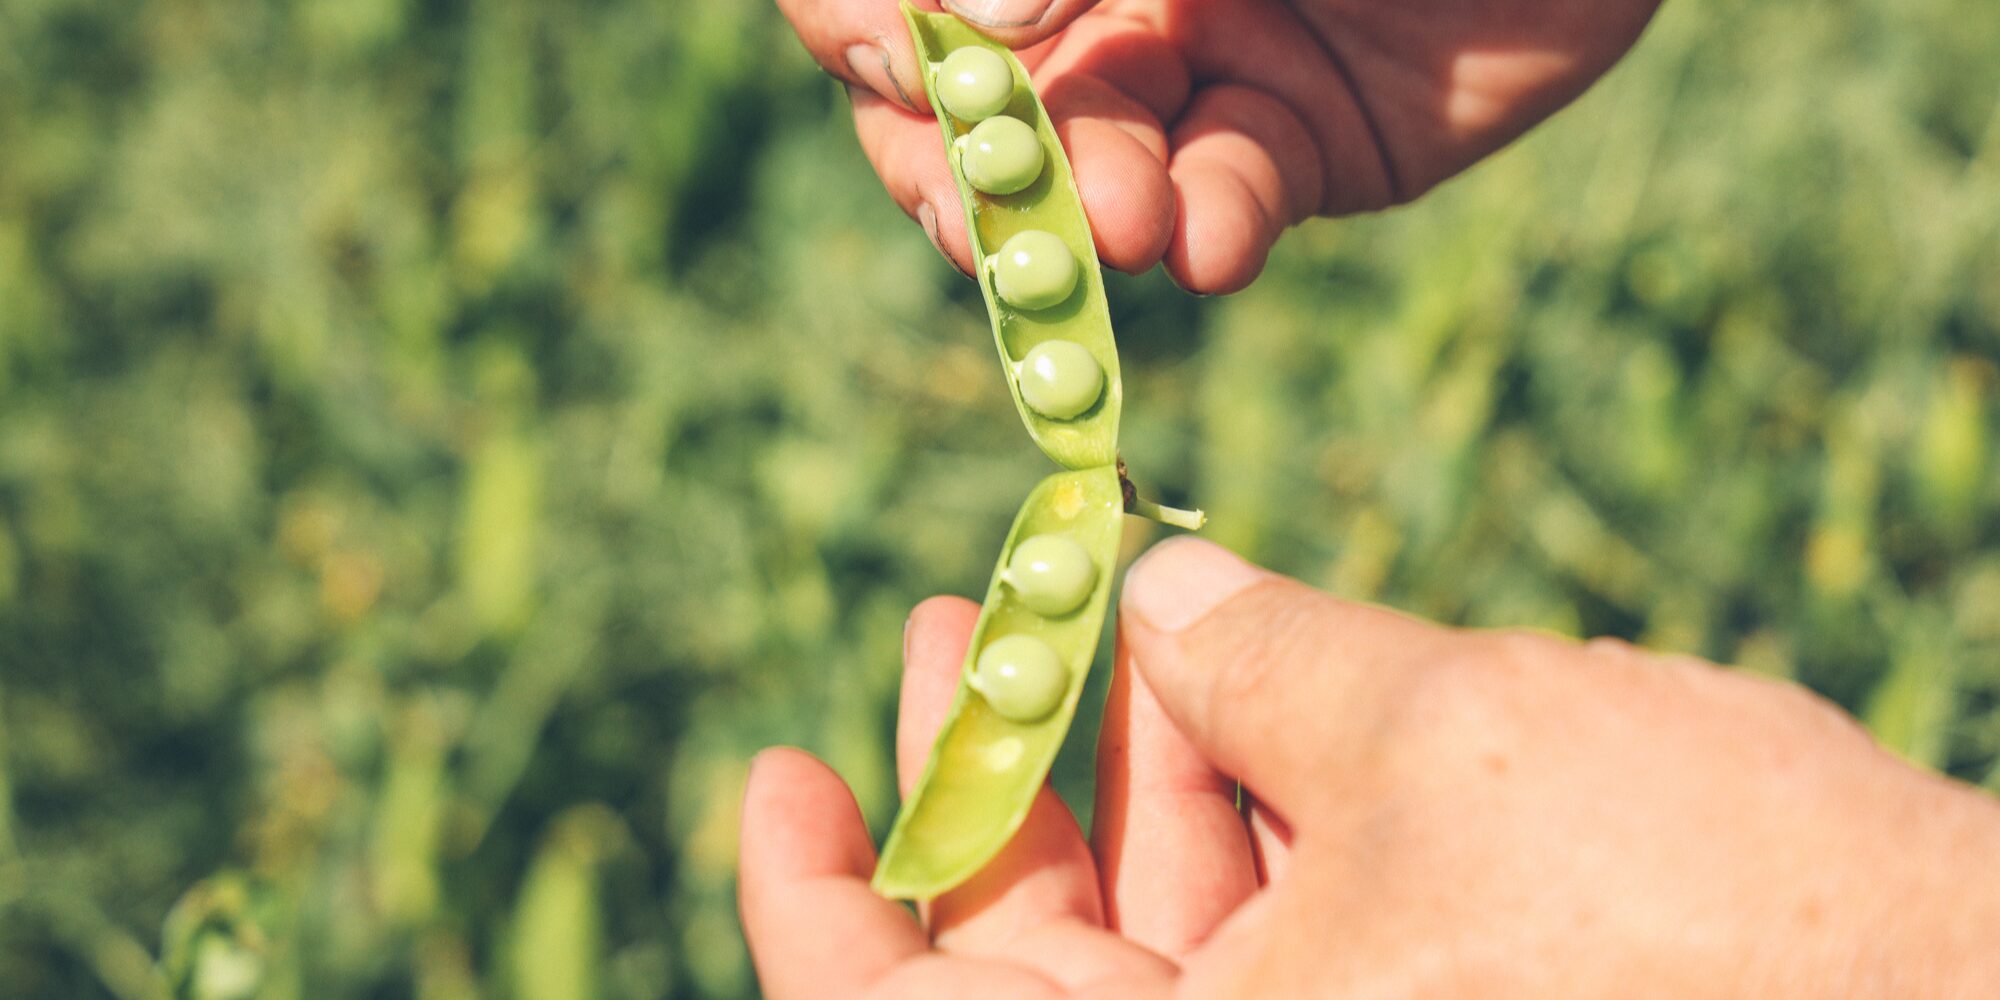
point(1279, 685)
point(1018, 23)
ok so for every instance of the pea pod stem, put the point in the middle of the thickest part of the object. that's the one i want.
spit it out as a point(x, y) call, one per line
point(1173, 517)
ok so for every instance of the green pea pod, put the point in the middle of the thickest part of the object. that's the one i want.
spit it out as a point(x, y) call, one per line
point(985, 768)
point(1048, 204)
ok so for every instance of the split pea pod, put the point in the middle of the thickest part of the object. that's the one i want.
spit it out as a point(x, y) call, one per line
point(1037, 264)
point(1008, 720)
point(1038, 629)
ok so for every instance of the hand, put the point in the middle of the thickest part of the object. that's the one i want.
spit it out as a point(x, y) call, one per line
point(1431, 813)
point(1200, 130)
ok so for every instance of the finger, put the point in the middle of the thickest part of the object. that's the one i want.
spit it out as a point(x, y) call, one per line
point(863, 42)
point(1268, 47)
point(909, 157)
point(958, 976)
point(1121, 177)
point(805, 861)
point(1173, 853)
point(1260, 138)
point(1106, 82)
point(1238, 959)
point(1118, 155)
point(1045, 873)
point(1128, 55)
point(1278, 684)
point(1270, 841)
point(1115, 143)
point(934, 641)
point(1018, 23)
point(1459, 101)
point(1221, 237)
point(1246, 169)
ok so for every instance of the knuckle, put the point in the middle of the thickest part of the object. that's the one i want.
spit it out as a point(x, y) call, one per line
point(1523, 649)
point(1285, 641)
point(1479, 684)
point(1613, 648)
point(1808, 708)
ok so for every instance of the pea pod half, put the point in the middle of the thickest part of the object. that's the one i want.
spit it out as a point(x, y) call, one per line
point(1004, 729)
point(1038, 265)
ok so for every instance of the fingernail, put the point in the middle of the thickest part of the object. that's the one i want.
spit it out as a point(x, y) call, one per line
point(1179, 581)
point(870, 62)
point(927, 218)
point(1000, 13)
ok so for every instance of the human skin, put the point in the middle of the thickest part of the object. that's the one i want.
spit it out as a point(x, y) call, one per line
point(1431, 813)
point(1199, 130)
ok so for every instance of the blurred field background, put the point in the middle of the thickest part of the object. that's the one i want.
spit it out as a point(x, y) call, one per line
point(439, 443)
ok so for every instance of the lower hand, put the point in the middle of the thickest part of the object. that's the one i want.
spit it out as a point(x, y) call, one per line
point(1429, 812)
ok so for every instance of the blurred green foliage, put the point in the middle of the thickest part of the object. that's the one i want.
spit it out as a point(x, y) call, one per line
point(440, 442)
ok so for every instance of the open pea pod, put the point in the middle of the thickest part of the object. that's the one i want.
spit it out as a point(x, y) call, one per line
point(1038, 311)
point(986, 767)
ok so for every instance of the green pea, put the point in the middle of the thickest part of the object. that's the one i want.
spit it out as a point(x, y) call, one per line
point(1060, 379)
point(1000, 155)
point(1021, 677)
point(1051, 574)
point(1034, 270)
point(974, 84)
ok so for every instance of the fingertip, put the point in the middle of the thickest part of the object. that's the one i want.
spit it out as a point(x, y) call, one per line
point(1118, 153)
point(1126, 55)
point(864, 44)
point(927, 217)
point(1245, 167)
point(1221, 236)
point(799, 819)
point(1181, 580)
point(904, 150)
point(943, 219)
point(811, 923)
point(1273, 680)
point(1018, 23)
point(768, 770)
point(934, 645)
point(888, 71)
point(937, 624)
point(943, 604)
point(1189, 648)
point(1260, 140)
point(768, 755)
point(1127, 195)
point(781, 775)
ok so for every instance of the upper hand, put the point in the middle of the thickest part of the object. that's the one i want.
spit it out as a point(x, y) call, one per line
point(1199, 130)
